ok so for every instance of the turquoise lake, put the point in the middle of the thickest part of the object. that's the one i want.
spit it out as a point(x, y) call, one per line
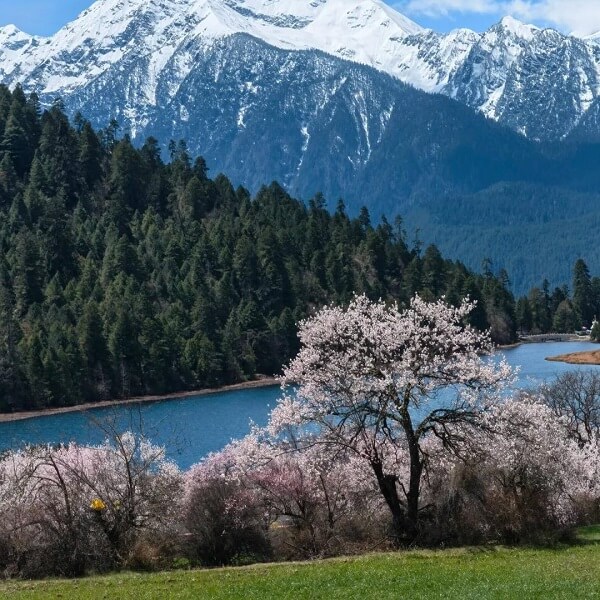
point(190, 428)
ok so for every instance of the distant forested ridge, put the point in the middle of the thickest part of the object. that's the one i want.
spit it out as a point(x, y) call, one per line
point(121, 274)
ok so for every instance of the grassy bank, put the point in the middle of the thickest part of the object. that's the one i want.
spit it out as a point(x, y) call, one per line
point(590, 357)
point(566, 572)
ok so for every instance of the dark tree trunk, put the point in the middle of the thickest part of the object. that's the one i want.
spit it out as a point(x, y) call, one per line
point(414, 491)
point(416, 472)
point(389, 490)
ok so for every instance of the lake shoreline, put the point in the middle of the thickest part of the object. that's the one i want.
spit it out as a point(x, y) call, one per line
point(47, 412)
point(577, 358)
point(565, 338)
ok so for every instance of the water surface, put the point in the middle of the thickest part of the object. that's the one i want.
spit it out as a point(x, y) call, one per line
point(192, 427)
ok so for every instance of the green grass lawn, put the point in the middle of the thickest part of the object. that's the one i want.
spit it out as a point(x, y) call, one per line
point(568, 572)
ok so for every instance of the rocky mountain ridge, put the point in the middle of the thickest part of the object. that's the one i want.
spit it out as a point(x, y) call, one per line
point(539, 82)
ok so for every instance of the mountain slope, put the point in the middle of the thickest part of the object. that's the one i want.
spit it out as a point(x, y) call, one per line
point(538, 82)
point(338, 127)
point(239, 81)
point(535, 232)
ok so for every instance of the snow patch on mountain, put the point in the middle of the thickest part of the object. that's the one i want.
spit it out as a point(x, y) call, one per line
point(534, 80)
point(116, 30)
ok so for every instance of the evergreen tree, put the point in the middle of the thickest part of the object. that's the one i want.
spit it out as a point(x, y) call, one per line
point(90, 155)
point(434, 271)
point(8, 180)
point(524, 315)
point(28, 271)
point(565, 318)
point(583, 300)
point(15, 141)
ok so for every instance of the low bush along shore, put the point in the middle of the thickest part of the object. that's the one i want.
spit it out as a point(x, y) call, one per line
point(563, 572)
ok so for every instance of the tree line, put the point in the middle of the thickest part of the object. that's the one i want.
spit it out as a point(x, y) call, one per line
point(562, 310)
point(124, 274)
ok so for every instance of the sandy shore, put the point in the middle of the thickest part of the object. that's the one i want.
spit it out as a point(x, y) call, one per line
point(247, 385)
point(590, 357)
point(509, 346)
point(545, 337)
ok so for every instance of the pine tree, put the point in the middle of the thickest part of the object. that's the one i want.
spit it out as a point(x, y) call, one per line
point(582, 293)
point(524, 315)
point(27, 272)
point(126, 352)
point(90, 155)
point(565, 318)
point(8, 181)
point(434, 271)
point(15, 141)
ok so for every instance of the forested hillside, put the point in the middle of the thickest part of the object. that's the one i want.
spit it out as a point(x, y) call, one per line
point(122, 275)
point(534, 232)
point(349, 122)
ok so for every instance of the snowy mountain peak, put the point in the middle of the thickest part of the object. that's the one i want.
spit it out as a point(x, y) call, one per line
point(365, 31)
point(593, 37)
point(14, 43)
point(539, 82)
point(10, 34)
point(517, 28)
point(272, 18)
point(10, 30)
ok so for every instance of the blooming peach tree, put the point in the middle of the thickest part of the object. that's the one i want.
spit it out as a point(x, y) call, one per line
point(521, 476)
point(318, 490)
point(376, 381)
point(74, 502)
point(537, 463)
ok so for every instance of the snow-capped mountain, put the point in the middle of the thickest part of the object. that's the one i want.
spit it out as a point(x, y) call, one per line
point(313, 94)
point(536, 81)
point(365, 31)
point(539, 82)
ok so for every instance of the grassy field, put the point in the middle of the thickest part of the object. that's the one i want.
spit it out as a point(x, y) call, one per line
point(566, 572)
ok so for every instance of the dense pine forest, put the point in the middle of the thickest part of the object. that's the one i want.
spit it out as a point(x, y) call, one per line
point(124, 274)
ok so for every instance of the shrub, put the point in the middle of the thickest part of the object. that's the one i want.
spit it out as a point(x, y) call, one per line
point(67, 510)
point(224, 523)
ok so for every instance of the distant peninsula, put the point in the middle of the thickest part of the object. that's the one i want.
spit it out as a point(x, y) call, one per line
point(589, 357)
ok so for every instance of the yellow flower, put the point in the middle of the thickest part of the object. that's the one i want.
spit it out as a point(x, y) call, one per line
point(98, 505)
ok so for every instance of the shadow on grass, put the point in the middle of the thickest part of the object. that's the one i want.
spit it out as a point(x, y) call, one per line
point(582, 536)
point(589, 535)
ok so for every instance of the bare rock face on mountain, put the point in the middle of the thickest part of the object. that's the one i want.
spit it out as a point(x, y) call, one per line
point(538, 82)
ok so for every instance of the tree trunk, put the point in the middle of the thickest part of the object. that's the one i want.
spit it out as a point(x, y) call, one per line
point(387, 486)
point(416, 472)
point(414, 491)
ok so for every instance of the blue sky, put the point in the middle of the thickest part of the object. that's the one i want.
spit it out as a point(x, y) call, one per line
point(44, 17)
point(41, 17)
point(452, 21)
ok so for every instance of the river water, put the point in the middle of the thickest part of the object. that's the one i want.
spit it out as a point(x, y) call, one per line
point(192, 427)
